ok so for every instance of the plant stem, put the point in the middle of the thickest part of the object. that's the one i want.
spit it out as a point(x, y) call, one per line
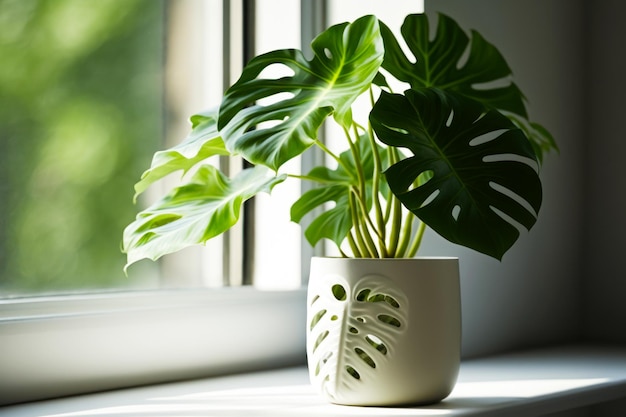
point(357, 163)
point(417, 240)
point(396, 214)
point(362, 225)
point(309, 178)
point(353, 246)
point(360, 196)
point(380, 220)
point(388, 207)
point(392, 160)
point(396, 226)
point(363, 249)
point(331, 153)
point(371, 246)
point(365, 216)
point(407, 231)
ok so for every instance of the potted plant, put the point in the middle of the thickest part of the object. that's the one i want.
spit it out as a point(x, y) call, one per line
point(454, 150)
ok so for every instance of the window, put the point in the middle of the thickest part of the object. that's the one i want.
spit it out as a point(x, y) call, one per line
point(91, 91)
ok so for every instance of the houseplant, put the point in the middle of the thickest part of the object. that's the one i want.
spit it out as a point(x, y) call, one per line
point(455, 151)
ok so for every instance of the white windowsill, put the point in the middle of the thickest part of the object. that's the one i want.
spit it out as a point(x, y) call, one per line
point(530, 383)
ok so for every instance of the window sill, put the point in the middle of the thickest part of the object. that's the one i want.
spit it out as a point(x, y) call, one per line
point(60, 346)
point(529, 383)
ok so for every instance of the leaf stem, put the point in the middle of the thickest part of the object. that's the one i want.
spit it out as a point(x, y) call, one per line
point(407, 231)
point(371, 246)
point(396, 226)
point(324, 148)
point(353, 246)
point(366, 217)
point(417, 240)
point(380, 220)
point(309, 178)
point(363, 249)
point(362, 223)
point(396, 214)
point(391, 153)
point(360, 196)
point(357, 163)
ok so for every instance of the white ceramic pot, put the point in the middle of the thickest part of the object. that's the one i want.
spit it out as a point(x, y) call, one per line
point(384, 331)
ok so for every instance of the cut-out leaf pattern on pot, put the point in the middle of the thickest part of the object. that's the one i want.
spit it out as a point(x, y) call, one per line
point(353, 331)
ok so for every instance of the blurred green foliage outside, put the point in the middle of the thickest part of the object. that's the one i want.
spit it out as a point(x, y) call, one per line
point(81, 104)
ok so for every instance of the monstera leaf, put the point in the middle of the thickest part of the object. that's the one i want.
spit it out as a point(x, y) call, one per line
point(336, 222)
point(437, 62)
point(347, 57)
point(482, 170)
point(203, 142)
point(333, 223)
point(443, 62)
point(193, 213)
point(353, 330)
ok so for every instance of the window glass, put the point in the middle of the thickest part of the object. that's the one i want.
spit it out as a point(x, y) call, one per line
point(88, 92)
point(81, 104)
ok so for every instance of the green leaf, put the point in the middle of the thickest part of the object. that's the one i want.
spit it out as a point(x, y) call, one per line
point(203, 142)
point(346, 59)
point(437, 60)
point(193, 213)
point(198, 118)
point(335, 223)
point(467, 65)
point(482, 170)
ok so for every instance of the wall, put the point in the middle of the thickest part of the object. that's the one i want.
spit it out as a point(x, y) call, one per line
point(532, 297)
point(605, 237)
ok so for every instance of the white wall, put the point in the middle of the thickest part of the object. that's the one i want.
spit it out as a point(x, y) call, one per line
point(533, 297)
